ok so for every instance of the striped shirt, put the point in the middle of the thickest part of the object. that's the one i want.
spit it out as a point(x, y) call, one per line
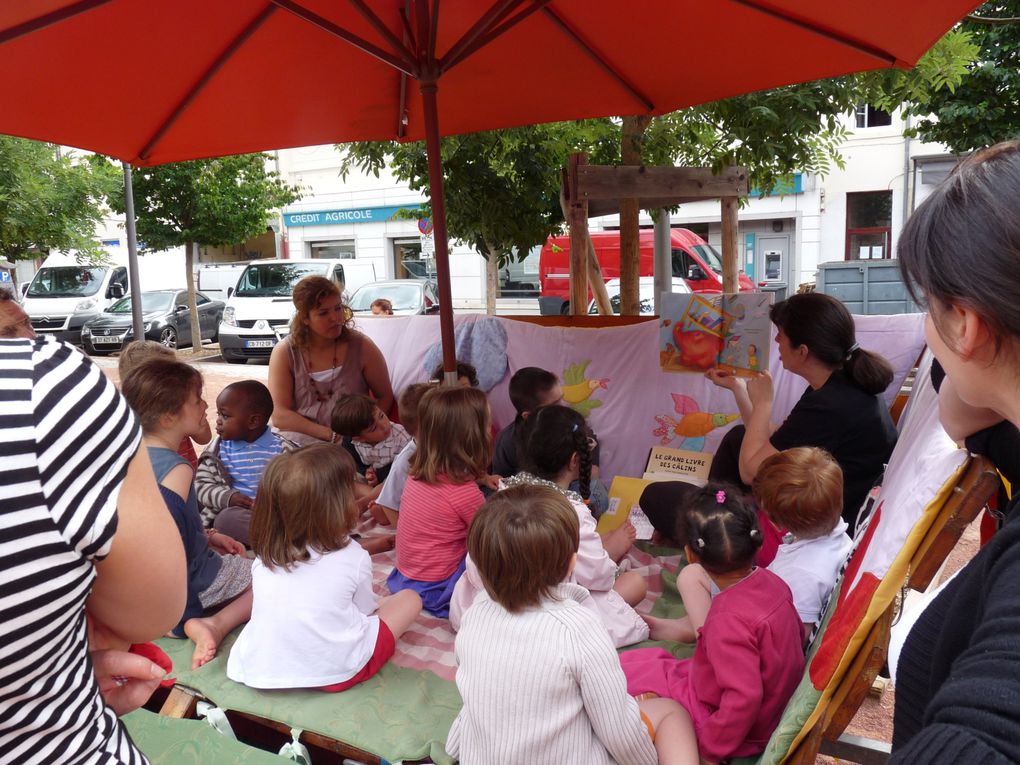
point(246, 461)
point(66, 437)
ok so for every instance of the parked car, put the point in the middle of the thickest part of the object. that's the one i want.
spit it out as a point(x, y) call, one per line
point(646, 294)
point(165, 316)
point(408, 296)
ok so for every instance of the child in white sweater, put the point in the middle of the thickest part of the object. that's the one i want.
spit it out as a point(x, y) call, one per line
point(538, 674)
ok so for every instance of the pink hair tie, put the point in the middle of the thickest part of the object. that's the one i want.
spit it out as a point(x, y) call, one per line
point(720, 497)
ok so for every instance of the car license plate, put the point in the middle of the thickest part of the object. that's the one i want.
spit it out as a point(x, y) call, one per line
point(102, 339)
point(259, 343)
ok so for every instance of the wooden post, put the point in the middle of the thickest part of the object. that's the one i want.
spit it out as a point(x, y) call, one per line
point(631, 137)
point(596, 282)
point(731, 282)
point(577, 219)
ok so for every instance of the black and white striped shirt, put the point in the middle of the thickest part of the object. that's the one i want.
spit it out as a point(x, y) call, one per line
point(66, 437)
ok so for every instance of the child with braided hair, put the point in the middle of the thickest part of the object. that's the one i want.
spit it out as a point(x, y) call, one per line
point(556, 450)
point(749, 659)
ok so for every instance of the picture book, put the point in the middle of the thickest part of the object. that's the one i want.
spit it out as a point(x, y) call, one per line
point(730, 332)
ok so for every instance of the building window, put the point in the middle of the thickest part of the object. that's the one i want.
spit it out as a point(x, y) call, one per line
point(336, 248)
point(408, 262)
point(868, 117)
point(868, 225)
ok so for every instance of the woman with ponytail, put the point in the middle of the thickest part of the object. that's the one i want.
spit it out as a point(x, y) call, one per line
point(841, 411)
point(555, 451)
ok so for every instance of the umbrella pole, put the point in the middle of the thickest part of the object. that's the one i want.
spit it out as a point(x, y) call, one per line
point(435, 158)
point(132, 243)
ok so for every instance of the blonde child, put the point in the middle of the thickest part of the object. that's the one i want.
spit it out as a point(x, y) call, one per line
point(800, 490)
point(749, 659)
point(167, 397)
point(556, 450)
point(441, 497)
point(539, 677)
point(315, 621)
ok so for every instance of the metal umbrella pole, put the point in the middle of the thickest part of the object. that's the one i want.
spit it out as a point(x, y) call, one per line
point(138, 332)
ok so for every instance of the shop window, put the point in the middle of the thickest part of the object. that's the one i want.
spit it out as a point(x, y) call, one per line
point(868, 117)
point(336, 248)
point(868, 225)
point(408, 262)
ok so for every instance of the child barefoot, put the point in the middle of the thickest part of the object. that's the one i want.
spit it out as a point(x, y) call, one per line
point(540, 680)
point(167, 397)
point(556, 447)
point(315, 622)
point(441, 496)
point(749, 658)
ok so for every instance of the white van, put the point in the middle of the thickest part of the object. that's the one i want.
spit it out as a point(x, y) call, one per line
point(219, 280)
point(258, 314)
point(65, 293)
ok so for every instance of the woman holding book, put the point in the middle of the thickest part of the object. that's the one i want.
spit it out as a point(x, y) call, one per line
point(841, 411)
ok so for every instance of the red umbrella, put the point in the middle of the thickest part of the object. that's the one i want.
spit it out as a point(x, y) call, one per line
point(153, 81)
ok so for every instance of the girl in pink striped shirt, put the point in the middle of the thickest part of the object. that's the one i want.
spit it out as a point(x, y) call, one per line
point(441, 495)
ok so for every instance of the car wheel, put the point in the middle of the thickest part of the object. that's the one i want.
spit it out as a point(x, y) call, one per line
point(168, 338)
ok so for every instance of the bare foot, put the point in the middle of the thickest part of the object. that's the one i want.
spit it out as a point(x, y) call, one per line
point(207, 638)
point(619, 540)
point(375, 545)
point(677, 630)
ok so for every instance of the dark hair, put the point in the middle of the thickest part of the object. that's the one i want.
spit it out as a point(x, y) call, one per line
point(159, 387)
point(825, 326)
point(962, 244)
point(527, 386)
point(548, 439)
point(408, 402)
point(463, 370)
point(722, 529)
point(353, 414)
point(522, 540)
point(257, 397)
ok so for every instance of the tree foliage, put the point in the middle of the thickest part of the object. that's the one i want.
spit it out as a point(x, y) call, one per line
point(985, 108)
point(49, 201)
point(218, 201)
point(502, 186)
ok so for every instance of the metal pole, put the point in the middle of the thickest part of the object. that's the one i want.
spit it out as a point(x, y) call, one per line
point(663, 259)
point(138, 332)
point(431, 114)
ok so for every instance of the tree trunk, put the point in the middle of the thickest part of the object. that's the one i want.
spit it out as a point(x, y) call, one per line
point(491, 282)
point(190, 251)
point(632, 136)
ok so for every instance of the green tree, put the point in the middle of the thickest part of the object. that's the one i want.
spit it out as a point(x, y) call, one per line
point(218, 201)
point(985, 108)
point(49, 200)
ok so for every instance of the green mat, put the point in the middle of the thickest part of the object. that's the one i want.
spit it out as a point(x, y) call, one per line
point(168, 741)
point(397, 715)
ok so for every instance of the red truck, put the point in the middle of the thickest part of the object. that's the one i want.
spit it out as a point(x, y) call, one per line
point(694, 260)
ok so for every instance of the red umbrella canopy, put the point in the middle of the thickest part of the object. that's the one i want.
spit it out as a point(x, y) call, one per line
point(153, 81)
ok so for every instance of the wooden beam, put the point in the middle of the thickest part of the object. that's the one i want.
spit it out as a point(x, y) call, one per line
point(658, 183)
point(731, 281)
point(181, 704)
point(577, 206)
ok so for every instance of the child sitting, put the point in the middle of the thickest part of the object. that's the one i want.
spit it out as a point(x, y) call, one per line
point(530, 388)
point(539, 677)
point(749, 659)
point(467, 375)
point(441, 497)
point(167, 397)
point(381, 307)
point(315, 622)
point(393, 487)
point(376, 440)
point(801, 490)
point(557, 449)
point(231, 467)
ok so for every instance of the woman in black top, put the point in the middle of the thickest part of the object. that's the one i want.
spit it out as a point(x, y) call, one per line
point(841, 411)
point(958, 681)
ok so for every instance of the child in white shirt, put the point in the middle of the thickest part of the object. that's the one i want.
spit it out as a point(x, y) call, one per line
point(315, 622)
point(540, 679)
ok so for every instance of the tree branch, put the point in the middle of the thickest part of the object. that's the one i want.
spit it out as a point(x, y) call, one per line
point(992, 21)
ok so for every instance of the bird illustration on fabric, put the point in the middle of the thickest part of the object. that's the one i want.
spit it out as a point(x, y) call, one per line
point(693, 425)
point(578, 389)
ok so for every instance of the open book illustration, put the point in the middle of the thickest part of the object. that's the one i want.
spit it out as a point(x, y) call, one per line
point(698, 332)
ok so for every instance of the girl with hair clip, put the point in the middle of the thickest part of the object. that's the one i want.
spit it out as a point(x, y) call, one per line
point(315, 621)
point(441, 495)
point(748, 660)
point(841, 411)
point(556, 449)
